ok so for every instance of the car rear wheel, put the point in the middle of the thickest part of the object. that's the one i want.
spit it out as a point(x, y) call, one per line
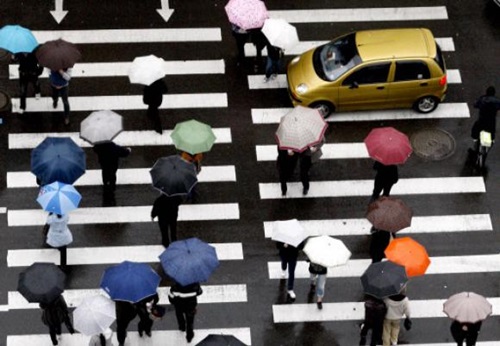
point(324, 107)
point(426, 104)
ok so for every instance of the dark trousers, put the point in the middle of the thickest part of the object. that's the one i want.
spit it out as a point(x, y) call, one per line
point(377, 330)
point(185, 317)
point(63, 93)
point(379, 187)
point(23, 83)
point(470, 339)
point(145, 325)
point(54, 331)
point(166, 226)
point(154, 116)
point(291, 264)
point(109, 177)
point(121, 330)
point(241, 39)
point(63, 256)
point(305, 166)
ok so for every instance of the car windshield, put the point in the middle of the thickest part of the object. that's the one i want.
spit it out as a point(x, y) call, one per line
point(335, 58)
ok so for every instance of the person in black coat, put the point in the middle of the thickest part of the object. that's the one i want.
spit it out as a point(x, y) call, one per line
point(241, 36)
point(125, 313)
point(387, 175)
point(375, 311)
point(53, 315)
point(286, 163)
point(166, 208)
point(29, 71)
point(153, 97)
point(108, 154)
point(467, 332)
point(274, 55)
point(259, 40)
point(488, 106)
point(144, 308)
point(379, 241)
point(184, 299)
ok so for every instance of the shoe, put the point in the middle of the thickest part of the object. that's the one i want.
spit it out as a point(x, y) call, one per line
point(274, 76)
point(266, 79)
point(320, 305)
point(182, 328)
point(148, 334)
point(283, 274)
point(21, 111)
point(313, 288)
point(305, 191)
point(283, 193)
point(292, 295)
point(66, 120)
point(37, 96)
point(140, 333)
point(189, 336)
point(54, 104)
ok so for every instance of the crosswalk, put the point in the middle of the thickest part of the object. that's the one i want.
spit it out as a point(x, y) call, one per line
point(224, 171)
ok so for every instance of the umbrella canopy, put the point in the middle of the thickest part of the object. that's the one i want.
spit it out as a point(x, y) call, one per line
point(389, 214)
point(17, 39)
point(41, 283)
point(146, 69)
point(173, 176)
point(220, 340)
point(58, 159)
point(247, 14)
point(289, 232)
point(410, 254)
point(327, 251)
point(467, 307)
point(94, 315)
point(383, 279)
point(388, 146)
point(301, 128)
point(101, 126)
point(193, 137)
point(130, 281)
point(58, 198)
point(58, 54)
point(188, 261)
point(280, 33)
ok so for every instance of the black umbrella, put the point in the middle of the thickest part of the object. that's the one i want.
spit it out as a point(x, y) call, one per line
point(173, 175)
point(220, 340)
point(383, 279)
point(41, 283)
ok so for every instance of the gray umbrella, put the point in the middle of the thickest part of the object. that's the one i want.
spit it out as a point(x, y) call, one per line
point(383, 279)
point(173, 175)
point(101, 126)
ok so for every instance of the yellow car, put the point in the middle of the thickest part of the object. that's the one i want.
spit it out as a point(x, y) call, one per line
point(373, 69)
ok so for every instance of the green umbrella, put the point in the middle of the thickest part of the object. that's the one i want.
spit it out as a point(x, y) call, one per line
point(193, 137)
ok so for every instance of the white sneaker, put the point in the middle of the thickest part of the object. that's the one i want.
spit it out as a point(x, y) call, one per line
point(21, 111)
point(292, 295)
point(38, 96)
point(266, 79)
point(283, 274)
point(274, 76)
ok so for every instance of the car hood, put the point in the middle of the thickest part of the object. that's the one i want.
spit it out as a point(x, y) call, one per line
point(303, 71)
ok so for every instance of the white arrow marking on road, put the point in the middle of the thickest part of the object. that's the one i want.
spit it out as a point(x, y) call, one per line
point(419, 224)
point(444, 110)
point(351, 188)
point(59, 13)
point(356, 311)
point(110, 254)
point(165, 11)
point(187, 212)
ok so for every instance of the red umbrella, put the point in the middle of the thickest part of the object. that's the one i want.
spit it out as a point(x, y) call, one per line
point(410, 254)
point(389, 214)
point(388, 146)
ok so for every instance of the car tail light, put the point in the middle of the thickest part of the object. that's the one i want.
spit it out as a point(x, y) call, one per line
point(442, 81)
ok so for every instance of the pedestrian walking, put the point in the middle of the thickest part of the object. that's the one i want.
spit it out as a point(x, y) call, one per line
point(286, 163)
point(54, 315)
point(108, 154)
point(153, 97)
point(488, 106)
point(59, 236)
point(184, 299)
point(260, 41)
point(398, 307)
point(166, 208)
point(59, 81)
point(375, 311)
point(306, 159)
point(241, 37)
point(318, 281)
point(102, 339)
point(144, 308)
point(29, 71)
point(386, 177)
point(467, 332)
point(125, 313)
point(379, 241)
point(288, 255)
point(273, 62)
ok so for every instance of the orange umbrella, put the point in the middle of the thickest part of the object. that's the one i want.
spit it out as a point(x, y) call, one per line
point(410, 254)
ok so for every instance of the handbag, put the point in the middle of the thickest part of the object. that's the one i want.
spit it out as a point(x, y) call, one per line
point(156, 312)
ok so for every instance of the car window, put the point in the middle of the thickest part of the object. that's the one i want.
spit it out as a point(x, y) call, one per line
point(376, 73)
point(411, 70)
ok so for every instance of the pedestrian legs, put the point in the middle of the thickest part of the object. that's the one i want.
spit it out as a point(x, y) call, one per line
point(154, 115)
point(165, 239)
point(291, 274)
point(54, 331)
point(190, 323)
point(391, 332)
point(377, 189)
point(241, 39)
point(109, 177)
point(305, 166)
point(172, 225)
point(23, 83)
point(121, 330)
point(145, 325)
point(63, 257)
point(387, 190)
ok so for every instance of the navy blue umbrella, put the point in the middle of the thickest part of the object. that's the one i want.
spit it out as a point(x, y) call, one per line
point(188, 261)
point(130, 281)
point(58, 159)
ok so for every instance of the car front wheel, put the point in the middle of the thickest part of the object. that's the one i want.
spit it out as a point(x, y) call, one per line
point(325, 108)
point(426, 104)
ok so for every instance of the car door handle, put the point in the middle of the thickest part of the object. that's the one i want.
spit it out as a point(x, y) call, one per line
point(424, 84)
point(380, 87)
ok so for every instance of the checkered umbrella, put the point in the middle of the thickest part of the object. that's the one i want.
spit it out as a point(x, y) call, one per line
point(247, 14)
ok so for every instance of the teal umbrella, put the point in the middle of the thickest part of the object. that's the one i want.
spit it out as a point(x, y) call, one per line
point(193, 137)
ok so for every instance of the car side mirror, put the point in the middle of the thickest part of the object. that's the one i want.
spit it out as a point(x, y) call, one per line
point(354, 85)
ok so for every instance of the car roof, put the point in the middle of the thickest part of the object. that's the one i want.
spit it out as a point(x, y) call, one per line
point(395, 43)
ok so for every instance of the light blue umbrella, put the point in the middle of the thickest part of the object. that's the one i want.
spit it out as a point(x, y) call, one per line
point(17, 39)
point(58, 198)
point(188, 261)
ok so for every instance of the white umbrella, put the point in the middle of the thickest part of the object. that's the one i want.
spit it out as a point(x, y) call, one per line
point(327, 251)
point(280, 33)
point(146, 69)
point(101, 126)
point(289, 232)
point(94, 315)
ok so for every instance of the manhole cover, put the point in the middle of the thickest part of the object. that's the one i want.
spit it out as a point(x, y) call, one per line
point(433, 144)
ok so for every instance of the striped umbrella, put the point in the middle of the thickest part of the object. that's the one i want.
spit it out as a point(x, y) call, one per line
point(58, 198)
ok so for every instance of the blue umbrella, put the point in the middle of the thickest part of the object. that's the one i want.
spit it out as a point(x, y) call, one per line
point(17, 39)
point(58, 198)
point(189, 261)
point(58, 159)
point(130, 281)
